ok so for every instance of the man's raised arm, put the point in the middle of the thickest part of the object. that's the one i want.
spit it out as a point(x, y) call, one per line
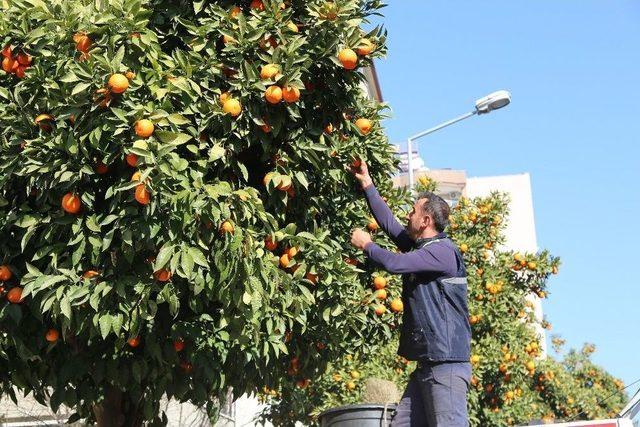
point(381, 211)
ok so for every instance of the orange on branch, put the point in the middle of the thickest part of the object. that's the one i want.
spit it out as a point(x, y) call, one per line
point(397, 306)
point(268, 71)
point(71, 203)
point(379, 282)
point(52, 335)
point(142, 194)
point(348, 59)
point(5, 273)
point(14, 296)
point(144, 128)
point(364, 125)
point(232, 107)
point(273, 94)
point(118, 83)
point(291, 94)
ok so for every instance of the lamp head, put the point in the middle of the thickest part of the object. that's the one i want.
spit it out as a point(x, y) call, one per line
point(493, 101)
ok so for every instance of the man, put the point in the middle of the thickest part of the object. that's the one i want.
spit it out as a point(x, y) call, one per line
point(435, 326)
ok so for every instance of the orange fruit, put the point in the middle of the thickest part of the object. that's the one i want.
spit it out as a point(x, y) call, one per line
point(118, 83)
point(224, 97)
point(397, 306)
point(365, 47)
point(530, 365)
point(6, 51)
point(226, 227)
point(554, 270)
point(364, 125)
point(132, 160)
point(257, 5)
point(133, 342)
point(83, 42)
point(380, 309)
point(20, 72)
point(531, 265)
point(136, 176)
point(178, 345)
point(354, 374)
point(348, 59)
point(9, 64)
point(52, 335)
point(381, 294)
point(5, 273)
point(303, 383)
point(464, 248)
point(142, 195)
point(144, 128)
point(379, 282)
point(273, 94)
point(284, 261)
point(292, 251)
point(235, 11)
point(291, 94)
point(373, 225)
point(162, 275)
point(90, 274)
point(130, 75)
point(313, 278)
point(350, 385)
point(271, 245)
point(232, 107)
point(14, 296)
point(265, 128)
point(23, 59)
point(268, 71)
point(71, 203)
point(43, 120)
point(101, 168)
point(328, 129)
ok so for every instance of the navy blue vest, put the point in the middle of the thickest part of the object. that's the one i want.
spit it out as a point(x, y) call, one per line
point(435, 328)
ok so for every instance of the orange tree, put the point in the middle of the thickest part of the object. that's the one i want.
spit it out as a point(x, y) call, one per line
point(174, 205)
point(512, 383)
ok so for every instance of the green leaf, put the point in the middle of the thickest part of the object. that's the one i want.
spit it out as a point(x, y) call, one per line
point(80, 87)
point(65, 307)
point(178, 119)
point(105, 325)
point(172, 137)
point(198, 257)
point(163, 257)
point(186, 262)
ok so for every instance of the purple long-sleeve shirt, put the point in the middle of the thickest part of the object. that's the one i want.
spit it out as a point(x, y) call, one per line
point(436, 258)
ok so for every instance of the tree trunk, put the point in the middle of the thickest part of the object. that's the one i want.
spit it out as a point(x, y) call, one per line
point(117, 410)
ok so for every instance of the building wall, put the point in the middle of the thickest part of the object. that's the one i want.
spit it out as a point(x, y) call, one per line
point(521, 228)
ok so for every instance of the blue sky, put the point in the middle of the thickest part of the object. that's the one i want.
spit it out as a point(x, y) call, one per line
point(573, 67)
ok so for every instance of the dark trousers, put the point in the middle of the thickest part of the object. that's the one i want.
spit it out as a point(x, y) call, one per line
point(436, 396)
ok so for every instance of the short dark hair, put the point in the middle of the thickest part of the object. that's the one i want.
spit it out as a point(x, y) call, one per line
point(436, 208)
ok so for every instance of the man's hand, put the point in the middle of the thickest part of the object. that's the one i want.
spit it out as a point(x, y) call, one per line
point(360, 238)
point(361, 173)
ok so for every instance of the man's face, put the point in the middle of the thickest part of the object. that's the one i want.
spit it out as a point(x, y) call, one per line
point(417, 221)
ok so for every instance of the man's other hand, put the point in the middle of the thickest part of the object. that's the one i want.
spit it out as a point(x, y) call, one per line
point(361, 172)
point(360, 238)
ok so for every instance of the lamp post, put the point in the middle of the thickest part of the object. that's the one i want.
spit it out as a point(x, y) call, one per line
point(493, 101)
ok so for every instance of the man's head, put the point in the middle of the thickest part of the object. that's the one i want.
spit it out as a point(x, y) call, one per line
point(430, 216)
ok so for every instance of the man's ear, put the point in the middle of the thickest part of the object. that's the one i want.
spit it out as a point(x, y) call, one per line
point(427, 221)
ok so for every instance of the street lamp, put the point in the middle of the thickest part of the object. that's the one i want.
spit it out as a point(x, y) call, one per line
point(493, 101)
